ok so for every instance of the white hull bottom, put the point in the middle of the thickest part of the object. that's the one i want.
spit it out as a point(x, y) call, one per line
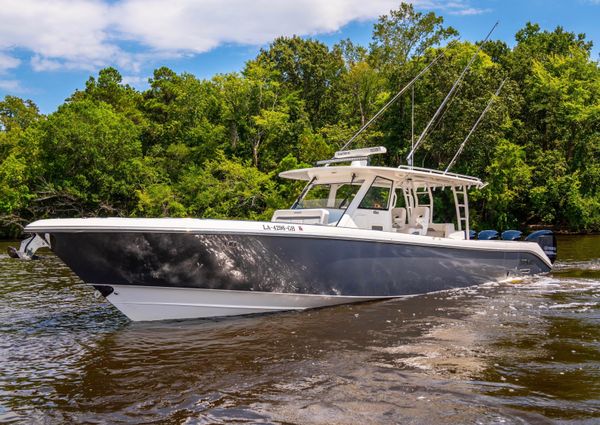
point(144, 303)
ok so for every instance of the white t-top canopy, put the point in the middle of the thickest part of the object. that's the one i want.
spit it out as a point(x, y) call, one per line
point(420, 177)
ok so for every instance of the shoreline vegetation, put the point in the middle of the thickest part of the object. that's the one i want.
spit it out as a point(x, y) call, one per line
point(212, 148)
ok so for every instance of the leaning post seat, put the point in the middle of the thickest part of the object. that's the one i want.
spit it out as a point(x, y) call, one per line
point(418, 222)
point(442, 230)
point(399, 218)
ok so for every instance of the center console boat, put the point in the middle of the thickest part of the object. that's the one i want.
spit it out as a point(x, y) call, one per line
point(356, 233)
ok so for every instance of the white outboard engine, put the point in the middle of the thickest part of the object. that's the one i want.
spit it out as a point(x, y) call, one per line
point(547, 240)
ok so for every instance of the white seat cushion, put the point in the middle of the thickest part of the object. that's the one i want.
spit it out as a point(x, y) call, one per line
point(399, 218)
point(419, 221)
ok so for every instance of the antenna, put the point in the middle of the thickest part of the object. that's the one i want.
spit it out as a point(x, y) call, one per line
point(454, 87)
point(462, 145)
point(392, 100)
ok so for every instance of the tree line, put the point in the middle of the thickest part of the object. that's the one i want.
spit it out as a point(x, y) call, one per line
point(213, 147)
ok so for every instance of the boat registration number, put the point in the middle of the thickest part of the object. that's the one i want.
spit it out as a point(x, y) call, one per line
point(281, 227)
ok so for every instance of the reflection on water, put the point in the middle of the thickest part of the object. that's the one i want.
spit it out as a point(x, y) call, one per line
point(525, 351)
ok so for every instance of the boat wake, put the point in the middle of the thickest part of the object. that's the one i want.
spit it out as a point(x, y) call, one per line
point(593, 264)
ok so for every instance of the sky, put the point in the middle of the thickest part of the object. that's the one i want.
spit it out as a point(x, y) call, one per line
point(49, 48)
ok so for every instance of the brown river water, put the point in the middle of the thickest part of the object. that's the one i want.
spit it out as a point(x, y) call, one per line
point(509, 353)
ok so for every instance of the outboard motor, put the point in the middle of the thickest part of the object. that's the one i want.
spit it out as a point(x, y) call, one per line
point(28, 248)
point(547, 240)
point(511, 235)
point(486, 235)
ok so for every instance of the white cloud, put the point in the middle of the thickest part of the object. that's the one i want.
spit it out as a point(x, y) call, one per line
point(12, 86)
point(198, 26)
point(60, 33)
point(457, 7)
point(135, 81)
point(468, 11)
point(89, 34)
point(8, 62)
point(39, 63)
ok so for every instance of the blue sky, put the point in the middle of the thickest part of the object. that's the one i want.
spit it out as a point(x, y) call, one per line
point(49, 48)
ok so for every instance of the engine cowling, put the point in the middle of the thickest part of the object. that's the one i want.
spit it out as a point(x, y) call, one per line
point(547, 240)
point(488, 235)
point(511, 235)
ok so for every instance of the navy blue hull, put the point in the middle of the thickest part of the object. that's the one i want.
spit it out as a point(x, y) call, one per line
point(284, 264)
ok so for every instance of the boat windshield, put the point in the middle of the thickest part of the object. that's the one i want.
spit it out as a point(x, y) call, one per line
point(336, 196)
point(378, 196)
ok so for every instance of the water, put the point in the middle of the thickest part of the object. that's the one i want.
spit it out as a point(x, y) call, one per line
point(510, 353)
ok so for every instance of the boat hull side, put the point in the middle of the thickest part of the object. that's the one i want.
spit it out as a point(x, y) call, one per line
point(146, 303)
point(279, 264)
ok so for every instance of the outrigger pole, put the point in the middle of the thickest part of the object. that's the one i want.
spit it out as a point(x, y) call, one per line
point(392, 100)
point(410, 156)
point(462, 145)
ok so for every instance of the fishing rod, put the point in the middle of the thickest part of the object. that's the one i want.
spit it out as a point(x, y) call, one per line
point(391, 101)
point(462, 145)
point(410, 156)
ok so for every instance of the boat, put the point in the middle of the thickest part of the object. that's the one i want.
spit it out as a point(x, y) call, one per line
point(356, 233)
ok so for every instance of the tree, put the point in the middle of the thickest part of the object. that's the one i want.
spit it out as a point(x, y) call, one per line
point(363, 91)
point(509, 177)
point(17, 171)
point(260, 112)
point(159, 200)
point(311, 69)
point(18, 160)
point(91, 161)
point(404, 34)
point(400, 46)
point(227, 188)
point(535, 44)
point(214, 147)
point(458, 116)
point(564, 94)
point(16, 113)
point(559, 125)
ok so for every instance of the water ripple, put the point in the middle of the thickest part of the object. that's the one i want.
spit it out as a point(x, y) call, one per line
point(517, 352)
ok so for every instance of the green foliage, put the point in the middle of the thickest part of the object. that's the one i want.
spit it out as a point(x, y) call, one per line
point(228, 188)
point(18, 161)
point(363, 89)
point(17, 114)
point(214, 148)
point(14, 178)
point(509, 177)
point(405, 33)
point(309, 68)
point(88, 153)
point(158, 200)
